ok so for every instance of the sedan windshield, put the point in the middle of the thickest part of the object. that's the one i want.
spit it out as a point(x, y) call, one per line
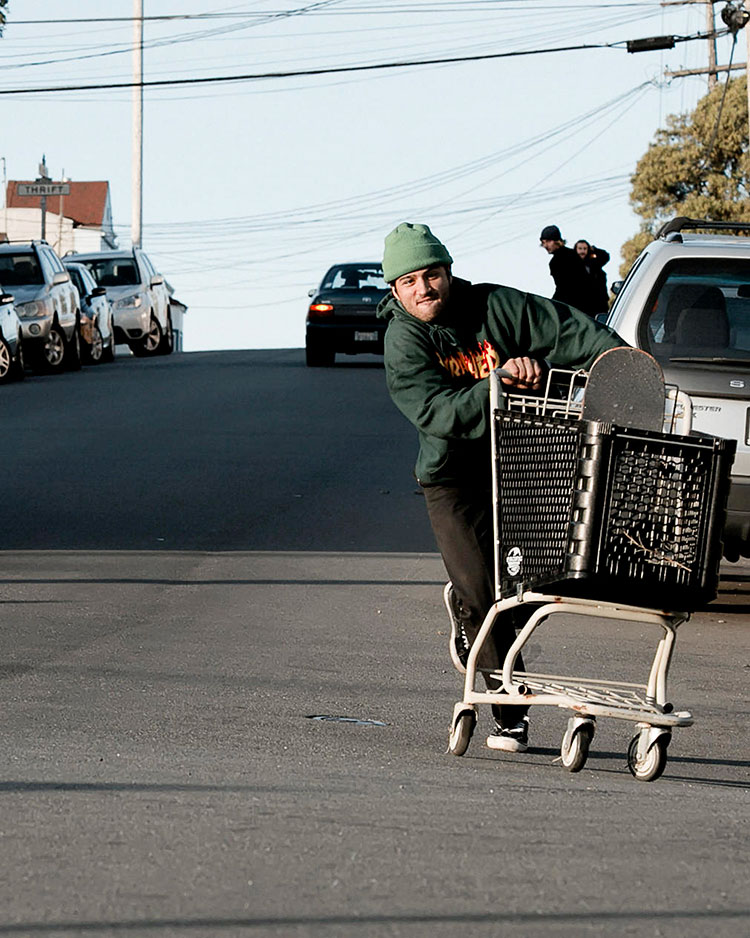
point(700, 310)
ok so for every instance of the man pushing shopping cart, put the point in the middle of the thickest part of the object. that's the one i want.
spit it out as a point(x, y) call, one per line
point(579, 499)
point(444, 337)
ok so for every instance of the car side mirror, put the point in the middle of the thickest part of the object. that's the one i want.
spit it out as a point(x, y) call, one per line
point(6, 298)
point(60, 277)
point(157, 280)
point(616, 286)
point(99, 291)
point(312, 292)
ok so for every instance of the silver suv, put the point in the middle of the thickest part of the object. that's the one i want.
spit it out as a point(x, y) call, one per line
point(687, 302)
point(139, 297)
point(46, 302)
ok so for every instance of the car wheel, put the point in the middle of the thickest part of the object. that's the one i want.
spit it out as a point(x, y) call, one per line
point(52, 356)
point(19, 365)
point(150, 343)
point(318, 356)
point(73, 351)
point(108, 354)
point(6, 362)
point(167, 340)
point(95, 351)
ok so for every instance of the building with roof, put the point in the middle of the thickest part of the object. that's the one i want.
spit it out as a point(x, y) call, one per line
point(80, 221)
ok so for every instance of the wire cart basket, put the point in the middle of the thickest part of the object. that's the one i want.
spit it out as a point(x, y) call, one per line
point(606, 521)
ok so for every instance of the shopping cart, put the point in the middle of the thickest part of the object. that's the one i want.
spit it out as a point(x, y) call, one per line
point(605, 521)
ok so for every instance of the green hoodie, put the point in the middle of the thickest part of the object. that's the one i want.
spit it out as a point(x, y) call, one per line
point(437, 373)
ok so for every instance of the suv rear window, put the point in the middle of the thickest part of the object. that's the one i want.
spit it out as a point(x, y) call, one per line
point(699, 309)
point(19, 269)
point(114, 272)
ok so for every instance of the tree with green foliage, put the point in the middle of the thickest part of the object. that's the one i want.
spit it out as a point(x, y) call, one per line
point(694, 168)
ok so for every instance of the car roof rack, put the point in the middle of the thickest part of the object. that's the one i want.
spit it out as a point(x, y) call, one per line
point(682, 222)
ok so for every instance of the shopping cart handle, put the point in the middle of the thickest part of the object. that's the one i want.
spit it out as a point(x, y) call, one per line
point(502, 373)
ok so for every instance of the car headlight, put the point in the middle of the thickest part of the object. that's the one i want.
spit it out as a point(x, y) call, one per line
point(30, 310)
point(129, 302)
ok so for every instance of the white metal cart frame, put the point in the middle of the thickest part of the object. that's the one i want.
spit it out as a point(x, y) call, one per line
point(647, 705)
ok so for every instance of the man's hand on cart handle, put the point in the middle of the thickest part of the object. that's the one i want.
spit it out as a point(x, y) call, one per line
point(521, 373)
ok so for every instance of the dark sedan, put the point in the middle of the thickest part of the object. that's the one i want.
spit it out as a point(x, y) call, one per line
point(341, 317)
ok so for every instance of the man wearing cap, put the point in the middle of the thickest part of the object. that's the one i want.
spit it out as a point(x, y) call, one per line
point(444, 336)
point(573, 283)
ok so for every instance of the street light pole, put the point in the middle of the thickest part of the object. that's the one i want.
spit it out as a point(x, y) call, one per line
point(137, 183)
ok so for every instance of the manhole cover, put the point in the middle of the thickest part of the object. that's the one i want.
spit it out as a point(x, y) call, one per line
point(329, 718)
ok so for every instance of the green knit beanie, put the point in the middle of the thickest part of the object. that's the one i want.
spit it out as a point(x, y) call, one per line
point(411, 247)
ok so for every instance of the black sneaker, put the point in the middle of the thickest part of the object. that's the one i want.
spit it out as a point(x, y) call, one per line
point(459, 646)
point(514, 739)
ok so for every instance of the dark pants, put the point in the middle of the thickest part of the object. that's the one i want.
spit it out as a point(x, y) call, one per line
point(461, 519)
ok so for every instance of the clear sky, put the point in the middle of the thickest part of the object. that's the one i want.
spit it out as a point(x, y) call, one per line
point(253, 188)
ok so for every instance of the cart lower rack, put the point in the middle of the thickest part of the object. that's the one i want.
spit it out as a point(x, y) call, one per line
point(646, 705)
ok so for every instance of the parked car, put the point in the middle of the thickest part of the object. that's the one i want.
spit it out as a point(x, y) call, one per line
point(46, 302)
point(139, 297)
point(341, 316)
point(11, 341)
point(687, 302)
point(97, 328)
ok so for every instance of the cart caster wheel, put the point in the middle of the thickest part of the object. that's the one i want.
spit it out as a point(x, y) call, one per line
point(461, 732)
point(575, 747)
point(653, 765)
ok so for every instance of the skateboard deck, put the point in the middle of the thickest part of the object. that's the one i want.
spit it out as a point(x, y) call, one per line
point(626, 387)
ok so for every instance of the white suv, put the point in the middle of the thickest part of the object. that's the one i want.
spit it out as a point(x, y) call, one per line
point(139, 297)
point(47, 304)
point(687, 302)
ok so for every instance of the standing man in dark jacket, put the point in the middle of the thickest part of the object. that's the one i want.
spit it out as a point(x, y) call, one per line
point(444, 336)
point(573, 285)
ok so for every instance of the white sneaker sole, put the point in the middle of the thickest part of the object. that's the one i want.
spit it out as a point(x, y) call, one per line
point(457, 663)
point(506, 744)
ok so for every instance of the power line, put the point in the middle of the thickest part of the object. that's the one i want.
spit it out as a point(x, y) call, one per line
point(299, 73)
point(453, 4)
point(96, 51)
point(261, 76)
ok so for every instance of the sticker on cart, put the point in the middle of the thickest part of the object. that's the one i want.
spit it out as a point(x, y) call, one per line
point(513, 560)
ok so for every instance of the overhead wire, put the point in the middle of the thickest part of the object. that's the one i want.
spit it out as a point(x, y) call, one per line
point(338, 209)
point(346, 220)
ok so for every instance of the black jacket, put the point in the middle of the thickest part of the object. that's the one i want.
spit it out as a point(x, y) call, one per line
point(573, 285)
point(594, 264)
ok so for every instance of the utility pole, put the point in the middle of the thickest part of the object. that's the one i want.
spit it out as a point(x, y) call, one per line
point(713, 68)
point(736, 16)
point(137, 183)
point(711, 30)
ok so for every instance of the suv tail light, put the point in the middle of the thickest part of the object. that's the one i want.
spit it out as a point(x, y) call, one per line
point(320, 310)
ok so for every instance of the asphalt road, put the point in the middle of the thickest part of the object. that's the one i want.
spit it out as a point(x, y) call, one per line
point(202, 553)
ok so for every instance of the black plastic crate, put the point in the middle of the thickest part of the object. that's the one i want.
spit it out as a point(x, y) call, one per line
point(594, 510)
